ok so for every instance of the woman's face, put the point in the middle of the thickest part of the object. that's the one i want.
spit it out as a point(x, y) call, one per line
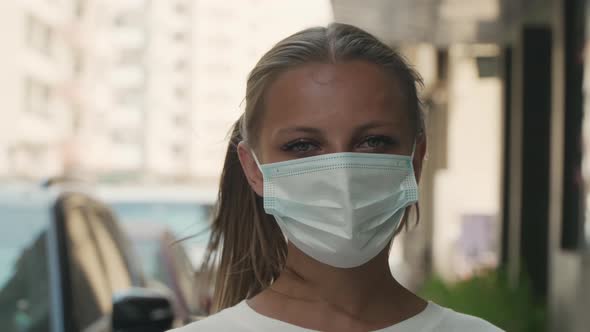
point(328, 108)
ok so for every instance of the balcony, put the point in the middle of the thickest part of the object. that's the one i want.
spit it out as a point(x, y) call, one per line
point(128, 77)
point(438, 22)
point(129, 38)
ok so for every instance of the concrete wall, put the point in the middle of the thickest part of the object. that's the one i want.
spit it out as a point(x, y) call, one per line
point(569, 272)
point(470, 183)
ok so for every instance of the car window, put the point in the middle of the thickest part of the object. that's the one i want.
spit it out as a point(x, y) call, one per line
point(98, 260)
point(108, 239)
point(90, 294)
point(149, 253)
point(183, 219)
point(24, 277)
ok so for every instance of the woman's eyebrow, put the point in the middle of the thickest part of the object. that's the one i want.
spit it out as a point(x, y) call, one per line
point(299, 129)
point(318, 132)
point(372, 125)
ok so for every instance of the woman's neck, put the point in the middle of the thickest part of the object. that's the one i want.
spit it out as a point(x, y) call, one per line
point(358, 292)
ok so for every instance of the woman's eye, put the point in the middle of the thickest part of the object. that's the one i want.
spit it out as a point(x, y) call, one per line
point(376, 142)
point(300, 146)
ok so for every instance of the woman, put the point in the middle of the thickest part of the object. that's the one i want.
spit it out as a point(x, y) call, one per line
point(320, 174)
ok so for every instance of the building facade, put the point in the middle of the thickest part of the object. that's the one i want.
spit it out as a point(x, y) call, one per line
point(133, 90)
point(137, 80)
point(39, 66)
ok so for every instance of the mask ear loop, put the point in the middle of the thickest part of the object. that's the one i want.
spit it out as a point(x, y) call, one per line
point(253, 155)
point(256, 159)
point(415, 205)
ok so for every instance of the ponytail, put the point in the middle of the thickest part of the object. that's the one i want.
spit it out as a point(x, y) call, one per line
point(247, 250)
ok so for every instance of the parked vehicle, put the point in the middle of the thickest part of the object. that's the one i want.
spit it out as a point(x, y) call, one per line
point(66, 266)
point(184, 211)
point(166, 261)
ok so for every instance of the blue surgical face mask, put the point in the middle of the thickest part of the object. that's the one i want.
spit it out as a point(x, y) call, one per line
point(341, 209)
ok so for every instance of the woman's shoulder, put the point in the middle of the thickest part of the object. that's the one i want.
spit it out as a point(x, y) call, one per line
point(230, 319)
point(434, 318)
point(455, 321)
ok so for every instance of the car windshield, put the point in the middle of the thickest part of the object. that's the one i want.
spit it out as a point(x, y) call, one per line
point(148, 252)
point(185, 220)
point(24, 281)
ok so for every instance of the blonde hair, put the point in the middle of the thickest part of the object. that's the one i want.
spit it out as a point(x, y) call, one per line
point(247, 250)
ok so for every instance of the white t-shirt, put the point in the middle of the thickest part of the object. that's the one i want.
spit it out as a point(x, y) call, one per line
point(242, 318)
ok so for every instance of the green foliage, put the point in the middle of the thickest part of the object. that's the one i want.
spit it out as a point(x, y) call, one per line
point(490, 297)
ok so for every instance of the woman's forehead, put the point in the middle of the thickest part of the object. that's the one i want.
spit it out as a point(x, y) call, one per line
point(341, 75)
point(353, 91)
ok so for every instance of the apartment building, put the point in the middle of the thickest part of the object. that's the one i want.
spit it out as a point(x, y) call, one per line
point(136, 70)
point(133, 90)
point(38, 66)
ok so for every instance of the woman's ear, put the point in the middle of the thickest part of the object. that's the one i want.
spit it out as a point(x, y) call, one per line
point(419, 155)
point(250, 167)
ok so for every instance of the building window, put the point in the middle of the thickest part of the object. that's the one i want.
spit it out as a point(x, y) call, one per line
point(118, 136)
point(119, 21)
point(177, 150)
point(39, 35)
point(131, 97)
point(179, 36)
point(181, 8)
point(55, 2)
point(125, 136)
point(218, 69)
point(132, 18)
point(220, 40)
point(76, 120)
point(180, 92)
point(130, 57)
point(488, 66)
point(180, 65)
point(79, 8)
point(78, 64)
point(37, 97)
point(181, 120)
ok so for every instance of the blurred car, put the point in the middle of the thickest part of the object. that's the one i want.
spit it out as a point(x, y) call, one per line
point(66, 266)
point(167, 262)
point(184, 211)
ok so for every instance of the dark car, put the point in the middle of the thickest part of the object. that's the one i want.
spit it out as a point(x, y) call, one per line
point(183, 210)
point(66, 266)
point(166, 261)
